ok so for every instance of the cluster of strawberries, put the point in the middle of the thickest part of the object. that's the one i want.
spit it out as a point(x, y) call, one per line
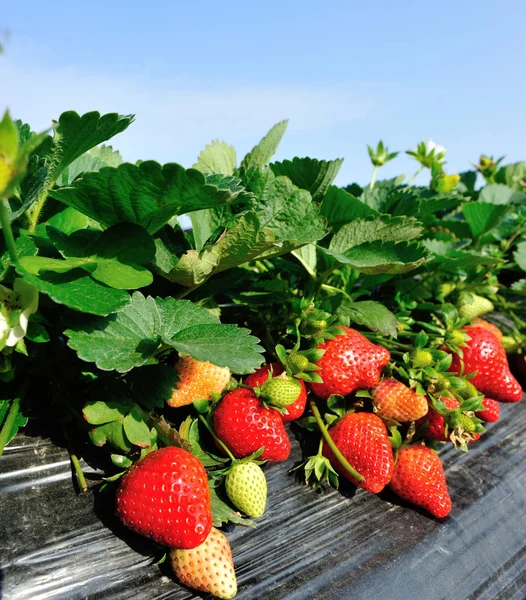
point(166, 495)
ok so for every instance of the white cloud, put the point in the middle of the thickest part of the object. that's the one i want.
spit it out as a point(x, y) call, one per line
point(175, 119)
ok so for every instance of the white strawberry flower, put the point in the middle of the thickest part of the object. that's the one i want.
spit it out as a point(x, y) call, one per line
point(16, 306)
point(431, 145)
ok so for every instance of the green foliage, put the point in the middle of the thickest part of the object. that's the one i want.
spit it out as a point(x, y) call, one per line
point(148, 195)
point(265, 150)
point(146, 326)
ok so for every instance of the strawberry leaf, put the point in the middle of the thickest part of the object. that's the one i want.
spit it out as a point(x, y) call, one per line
point(147, 326)
point(110, 195)
point(76, 289)
point(135, 427)
point(265, 150)
point(217, 157)
point(383, 229)
point(373, 315)
point(339, 207)
point(73, 136)
point(309, 174)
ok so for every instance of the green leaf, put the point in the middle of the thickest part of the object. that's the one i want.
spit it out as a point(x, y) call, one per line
point(373, 315)
point(222, 511)
point(37, 333)
point(120, 461)
point(193, 436)
point(152, 385)
point(339, 207)
point(307, 257)
point(77, 290)
point(520, 255)
point(73, 136)
point(379, 229)
point(98, 412)
point(113, 433)
point(244, 242)
point(113, 257)
point(483, 217)
point(137, 333)
point(93, 160)
point(67, 221)
point(148, 195)
point(217, 157)
point(501, 194)
point(384, 257)
point(309, 174)
point(265, 150)
point(287, 211)
point(135, 428)
point(513, 175)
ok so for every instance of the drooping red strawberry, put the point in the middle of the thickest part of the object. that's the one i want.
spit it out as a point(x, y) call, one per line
point(165, 497)
point(197, 381)
point(419, 478)
point(395, 401)
point(491, 412)
point(485, 356)
point(207, 568)
point(258, 378)
point(244, 425)
point(436, 429)
point(363, 440)
point(351, 362)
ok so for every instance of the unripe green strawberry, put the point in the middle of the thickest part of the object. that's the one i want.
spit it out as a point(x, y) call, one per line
point(467, 391)
point(297, 363)
point(281, 391)
point(466, 423)
point(442, 383)
point(456, 337)
point(246, 487)
point(314, 328)
point(208, 567)
point(472, 306)
point(422, 359)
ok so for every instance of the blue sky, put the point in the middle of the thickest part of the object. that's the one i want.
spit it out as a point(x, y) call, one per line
point(345, 73)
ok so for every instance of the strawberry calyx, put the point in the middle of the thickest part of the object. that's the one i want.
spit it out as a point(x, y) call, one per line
point(300, 364)
point(461, 425)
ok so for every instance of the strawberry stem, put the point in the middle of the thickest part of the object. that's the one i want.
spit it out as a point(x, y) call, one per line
point(212, 433)
point(81, 480)
point(5, 433)
point(341, 458)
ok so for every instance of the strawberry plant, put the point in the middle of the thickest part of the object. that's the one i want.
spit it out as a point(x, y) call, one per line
point(182, 355)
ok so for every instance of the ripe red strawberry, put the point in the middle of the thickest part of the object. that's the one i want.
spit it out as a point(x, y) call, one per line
point(491, 412)
point(351, 362)
point(363, 440)
point(258, 378)
point(165, 497)
point(437, 424)
point(485, 356)
point(489, 326)
point(419, 478)
point(197, 381)
point(395, 401)
point(244, 425)
point(207, 568)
